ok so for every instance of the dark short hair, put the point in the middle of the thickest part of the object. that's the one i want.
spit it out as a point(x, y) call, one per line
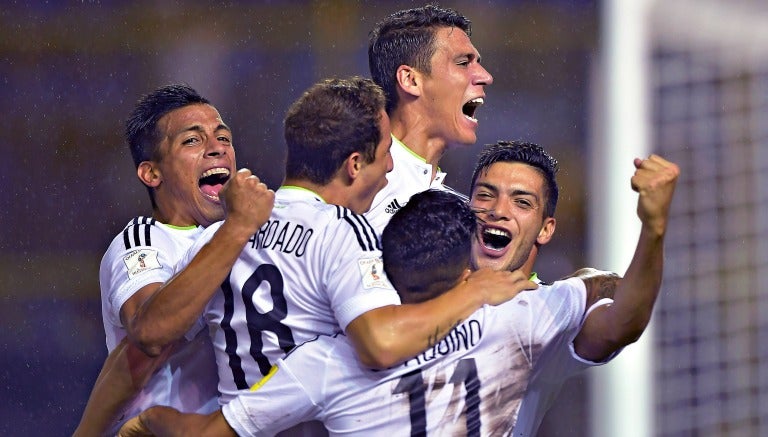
point(330, 121)
point(141, 126)
point(525, 153)
point(407, 38)
point(426, 245)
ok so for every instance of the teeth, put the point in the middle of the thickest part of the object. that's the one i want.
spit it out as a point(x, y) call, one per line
point(213, 171)
point(498, 232)
point(496, 239)
point(469, 108)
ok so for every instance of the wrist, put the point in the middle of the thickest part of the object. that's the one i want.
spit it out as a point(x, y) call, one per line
point(235, 231)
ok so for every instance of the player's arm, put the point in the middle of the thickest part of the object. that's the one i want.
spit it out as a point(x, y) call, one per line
point(610, 327)
point(165, 314)
point(168, 422)
point(386, 336)
point(124, 373)
point(600, 284)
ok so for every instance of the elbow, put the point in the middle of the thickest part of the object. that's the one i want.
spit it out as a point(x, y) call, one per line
point(378, 354)
point(382, 363)
point(146, 342)
point(380, 359)
point(625, 336)
point(150, 350)
point(599, 348)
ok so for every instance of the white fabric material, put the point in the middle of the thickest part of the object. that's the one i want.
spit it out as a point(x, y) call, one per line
point(555, 366)
point(410, 175)
point(311, 269)
point(187, 381)
point(474, 380)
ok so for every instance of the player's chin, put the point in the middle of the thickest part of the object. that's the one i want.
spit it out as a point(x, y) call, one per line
point(468, 137)
point(482, 260)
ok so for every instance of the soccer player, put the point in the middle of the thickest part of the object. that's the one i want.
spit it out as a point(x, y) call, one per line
point(315, 266)
point(473, 381)
point(515, 193)
point(434, 83)
point(183, 154)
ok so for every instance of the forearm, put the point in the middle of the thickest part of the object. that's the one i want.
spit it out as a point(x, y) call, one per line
point(636, 294)
point(124, 373)
point(612, 327)
point(171, 311)
point(389, 335)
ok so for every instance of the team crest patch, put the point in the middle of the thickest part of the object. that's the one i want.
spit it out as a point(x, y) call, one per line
point(372, 272)
point(140, 261)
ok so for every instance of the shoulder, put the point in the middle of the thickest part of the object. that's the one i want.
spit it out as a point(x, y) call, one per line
point(599, 284)
point(144, 238)
point(357, 227)
point(146, 231)
point(138, 232)
point(561, 288)
point(559, 297)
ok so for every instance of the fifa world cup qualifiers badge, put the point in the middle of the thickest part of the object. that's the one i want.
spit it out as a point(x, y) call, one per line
point(372, 272)
point(140, 261)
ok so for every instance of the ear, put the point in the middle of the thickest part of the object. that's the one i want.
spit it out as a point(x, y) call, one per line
point(353, 165)
point(547, 231)
point(149, 174)
point(465, 274)
point(408, 80)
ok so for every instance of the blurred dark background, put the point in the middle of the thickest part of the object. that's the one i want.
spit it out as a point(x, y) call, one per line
point(70, 73)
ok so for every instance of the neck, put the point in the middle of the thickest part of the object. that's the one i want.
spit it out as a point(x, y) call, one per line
point(172, 216)
point(334, 192)
point(527, 266)
point(413, 131)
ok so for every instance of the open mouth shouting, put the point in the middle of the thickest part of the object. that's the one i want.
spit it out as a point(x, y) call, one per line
point(211, 182)
point(471, 106)
point(494, 239)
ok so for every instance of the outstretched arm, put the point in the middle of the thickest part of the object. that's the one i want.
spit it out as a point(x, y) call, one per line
point(125, 372)
point(168, 422)
point(170, 310)
point(386, 336)
point(611, 327)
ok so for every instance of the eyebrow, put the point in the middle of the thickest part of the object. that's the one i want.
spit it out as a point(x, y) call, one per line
point(199, 128)
point(484, 185)
point(514, 192)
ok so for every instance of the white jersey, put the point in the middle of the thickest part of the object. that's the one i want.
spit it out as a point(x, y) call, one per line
point(144, 253)
point(311, 269)
point(411, 174)
point(470, 383)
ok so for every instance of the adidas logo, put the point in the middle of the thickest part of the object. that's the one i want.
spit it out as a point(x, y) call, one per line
point(392, 207)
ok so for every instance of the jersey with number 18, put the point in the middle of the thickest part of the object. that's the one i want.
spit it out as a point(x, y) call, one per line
point(311, 269)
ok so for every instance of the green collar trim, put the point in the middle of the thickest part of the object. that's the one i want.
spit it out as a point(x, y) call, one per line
point(414, 154)
point(181, 228)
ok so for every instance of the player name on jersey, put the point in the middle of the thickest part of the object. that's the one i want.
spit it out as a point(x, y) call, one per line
point(286, 237)
point(462, 337)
